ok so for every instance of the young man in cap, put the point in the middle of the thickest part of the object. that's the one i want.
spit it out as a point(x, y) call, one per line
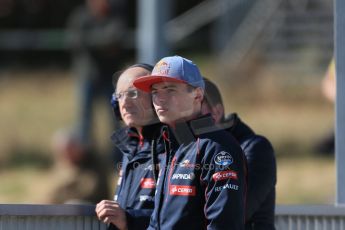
point(202, 180)
point(261, 162)
point(134, 199)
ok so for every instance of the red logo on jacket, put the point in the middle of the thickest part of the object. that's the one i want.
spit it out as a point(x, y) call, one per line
point(147, 183)
point(182, 190)
point(224, 175)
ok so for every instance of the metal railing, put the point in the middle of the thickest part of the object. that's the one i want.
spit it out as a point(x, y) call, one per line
point(49, 217)
point(310, 217)
point(82, 217)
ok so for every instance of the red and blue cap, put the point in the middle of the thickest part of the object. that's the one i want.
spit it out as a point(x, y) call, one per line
point(172, 69)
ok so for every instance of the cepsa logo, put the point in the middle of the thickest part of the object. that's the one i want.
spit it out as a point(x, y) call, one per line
point(182, 190)
point(147, 183)
point(224, 175)
point(161, 68)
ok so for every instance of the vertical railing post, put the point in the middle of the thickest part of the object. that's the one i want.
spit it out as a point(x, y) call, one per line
point(339, 47)
point(151, 41)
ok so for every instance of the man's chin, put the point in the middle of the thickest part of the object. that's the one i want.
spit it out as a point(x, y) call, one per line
point(129, 121)
point(164, 119)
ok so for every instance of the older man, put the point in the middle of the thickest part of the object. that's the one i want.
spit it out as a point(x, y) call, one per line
point(134, 200)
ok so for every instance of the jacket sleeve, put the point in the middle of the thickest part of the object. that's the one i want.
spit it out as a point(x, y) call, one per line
point(223, 177)
point(261, 165)
point(138, 218)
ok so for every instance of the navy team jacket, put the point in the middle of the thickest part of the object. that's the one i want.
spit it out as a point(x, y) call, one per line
point(136, 184)
point(262, 174)
point(202, 180)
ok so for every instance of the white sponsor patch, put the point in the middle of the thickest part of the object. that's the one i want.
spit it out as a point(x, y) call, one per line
point(148, 168)
point(223, 158)
point(146, 198)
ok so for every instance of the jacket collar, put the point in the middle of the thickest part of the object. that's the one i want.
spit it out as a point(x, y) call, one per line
point(237, 127)
point(186, 132)
point(125, 136)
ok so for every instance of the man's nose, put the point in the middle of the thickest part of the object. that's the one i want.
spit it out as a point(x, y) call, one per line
point(126, 102)
point(159, 97)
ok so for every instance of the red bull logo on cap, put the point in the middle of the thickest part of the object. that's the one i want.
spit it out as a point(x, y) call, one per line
point(161, 68)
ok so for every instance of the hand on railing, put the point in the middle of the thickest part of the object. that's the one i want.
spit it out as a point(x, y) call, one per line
point(110, 212)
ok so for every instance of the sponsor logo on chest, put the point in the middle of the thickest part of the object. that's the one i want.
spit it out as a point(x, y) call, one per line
point(148, 168)
point(147, 183)
point(146, 198)
point(183, 176)
point(186, 164)
point(182, 190)
point(223, 158)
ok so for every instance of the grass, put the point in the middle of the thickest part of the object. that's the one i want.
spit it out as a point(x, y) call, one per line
point(306, 180)
point(26, 185)
point(35, 104)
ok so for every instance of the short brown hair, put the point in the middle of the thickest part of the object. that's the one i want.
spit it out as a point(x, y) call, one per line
point(212, 93)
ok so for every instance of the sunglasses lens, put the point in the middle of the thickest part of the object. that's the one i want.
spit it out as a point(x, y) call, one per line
point(129, 94)
point(132, 94)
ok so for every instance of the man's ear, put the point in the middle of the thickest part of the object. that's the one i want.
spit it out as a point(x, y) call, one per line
point(217, 112)
point(199, 94)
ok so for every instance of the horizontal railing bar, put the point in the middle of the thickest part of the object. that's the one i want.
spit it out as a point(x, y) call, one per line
point(47, 210)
